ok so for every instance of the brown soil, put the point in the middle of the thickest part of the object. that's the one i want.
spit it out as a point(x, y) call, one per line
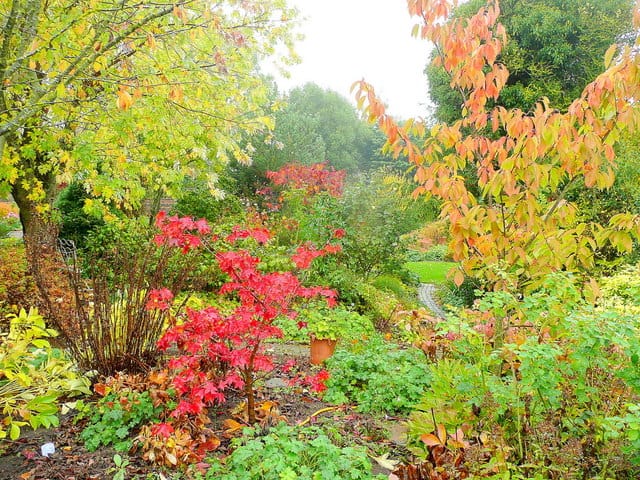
point(21, 459)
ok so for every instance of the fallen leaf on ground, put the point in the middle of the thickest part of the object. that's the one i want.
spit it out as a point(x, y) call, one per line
point(385, 462)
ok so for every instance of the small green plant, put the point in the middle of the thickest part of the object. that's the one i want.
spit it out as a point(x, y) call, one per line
point(115, 417)
point(335, 323)
point(378, 376)
point(290, 453)
point(33, 376)
point(76, 223)
point(119, 471)
point(626, 426)
point(393, 284)
point(622, 290)
point(379, 304)
point(292, 329)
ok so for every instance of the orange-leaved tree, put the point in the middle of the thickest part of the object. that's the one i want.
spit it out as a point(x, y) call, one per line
point(515, 225)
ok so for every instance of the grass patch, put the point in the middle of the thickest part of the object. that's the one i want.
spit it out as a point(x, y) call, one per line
point(430, 272)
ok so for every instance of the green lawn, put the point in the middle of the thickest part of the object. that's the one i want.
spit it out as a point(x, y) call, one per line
point(430, 272)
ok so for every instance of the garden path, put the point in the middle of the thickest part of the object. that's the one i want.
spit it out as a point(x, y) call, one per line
point(426, 296)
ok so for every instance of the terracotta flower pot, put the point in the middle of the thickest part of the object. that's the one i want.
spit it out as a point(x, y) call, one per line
point(321, 349)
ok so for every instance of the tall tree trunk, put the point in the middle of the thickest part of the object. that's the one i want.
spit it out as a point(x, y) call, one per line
point(34, 224)
point(45, 263)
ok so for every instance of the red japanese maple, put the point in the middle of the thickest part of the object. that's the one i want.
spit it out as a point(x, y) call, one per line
point(219, 351)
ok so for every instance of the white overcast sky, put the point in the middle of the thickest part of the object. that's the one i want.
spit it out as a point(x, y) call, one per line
point(347, 40)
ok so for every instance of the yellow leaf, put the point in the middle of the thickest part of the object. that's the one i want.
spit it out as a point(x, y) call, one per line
point(385, 462)
point(78, 28)
point(430, 440)
point(232, 426)
point(124, 100)
point(442, 433)
point(458, 278)
point(14, 432)
point(61, 90)
point(608, 56)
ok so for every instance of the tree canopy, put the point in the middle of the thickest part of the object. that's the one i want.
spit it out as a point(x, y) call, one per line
point(129, 96)
point(554, 49)
point(314, 125)
point(318, 125)
point(516, 224)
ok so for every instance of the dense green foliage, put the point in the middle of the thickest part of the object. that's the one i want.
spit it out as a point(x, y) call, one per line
point(337, 323)
point(115, 417)
point(554, 49)
point(197, 201)
point(34, 376)
point(564, 373)
point(288, 453)
point(319, 125)
point(377, 376)
point(76, 223)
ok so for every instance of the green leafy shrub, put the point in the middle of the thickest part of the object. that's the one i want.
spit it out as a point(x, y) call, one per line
point(434, 253)
point(546, 377)
point(33, 376)
point(459, 296)
point(378, 376)
point(115, 417)
point(393, 284)
point(76, 222)
point(437, 253)
point(626, 426)
point(621, 291)
point(322, 322)
point(378, 304)
point(373, 212)
point(197, 201)
point(290, 453)
point(292, 329)
point(335, 323)
point(343, 281)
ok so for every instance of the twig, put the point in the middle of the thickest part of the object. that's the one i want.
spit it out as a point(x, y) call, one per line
point(315, 414)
